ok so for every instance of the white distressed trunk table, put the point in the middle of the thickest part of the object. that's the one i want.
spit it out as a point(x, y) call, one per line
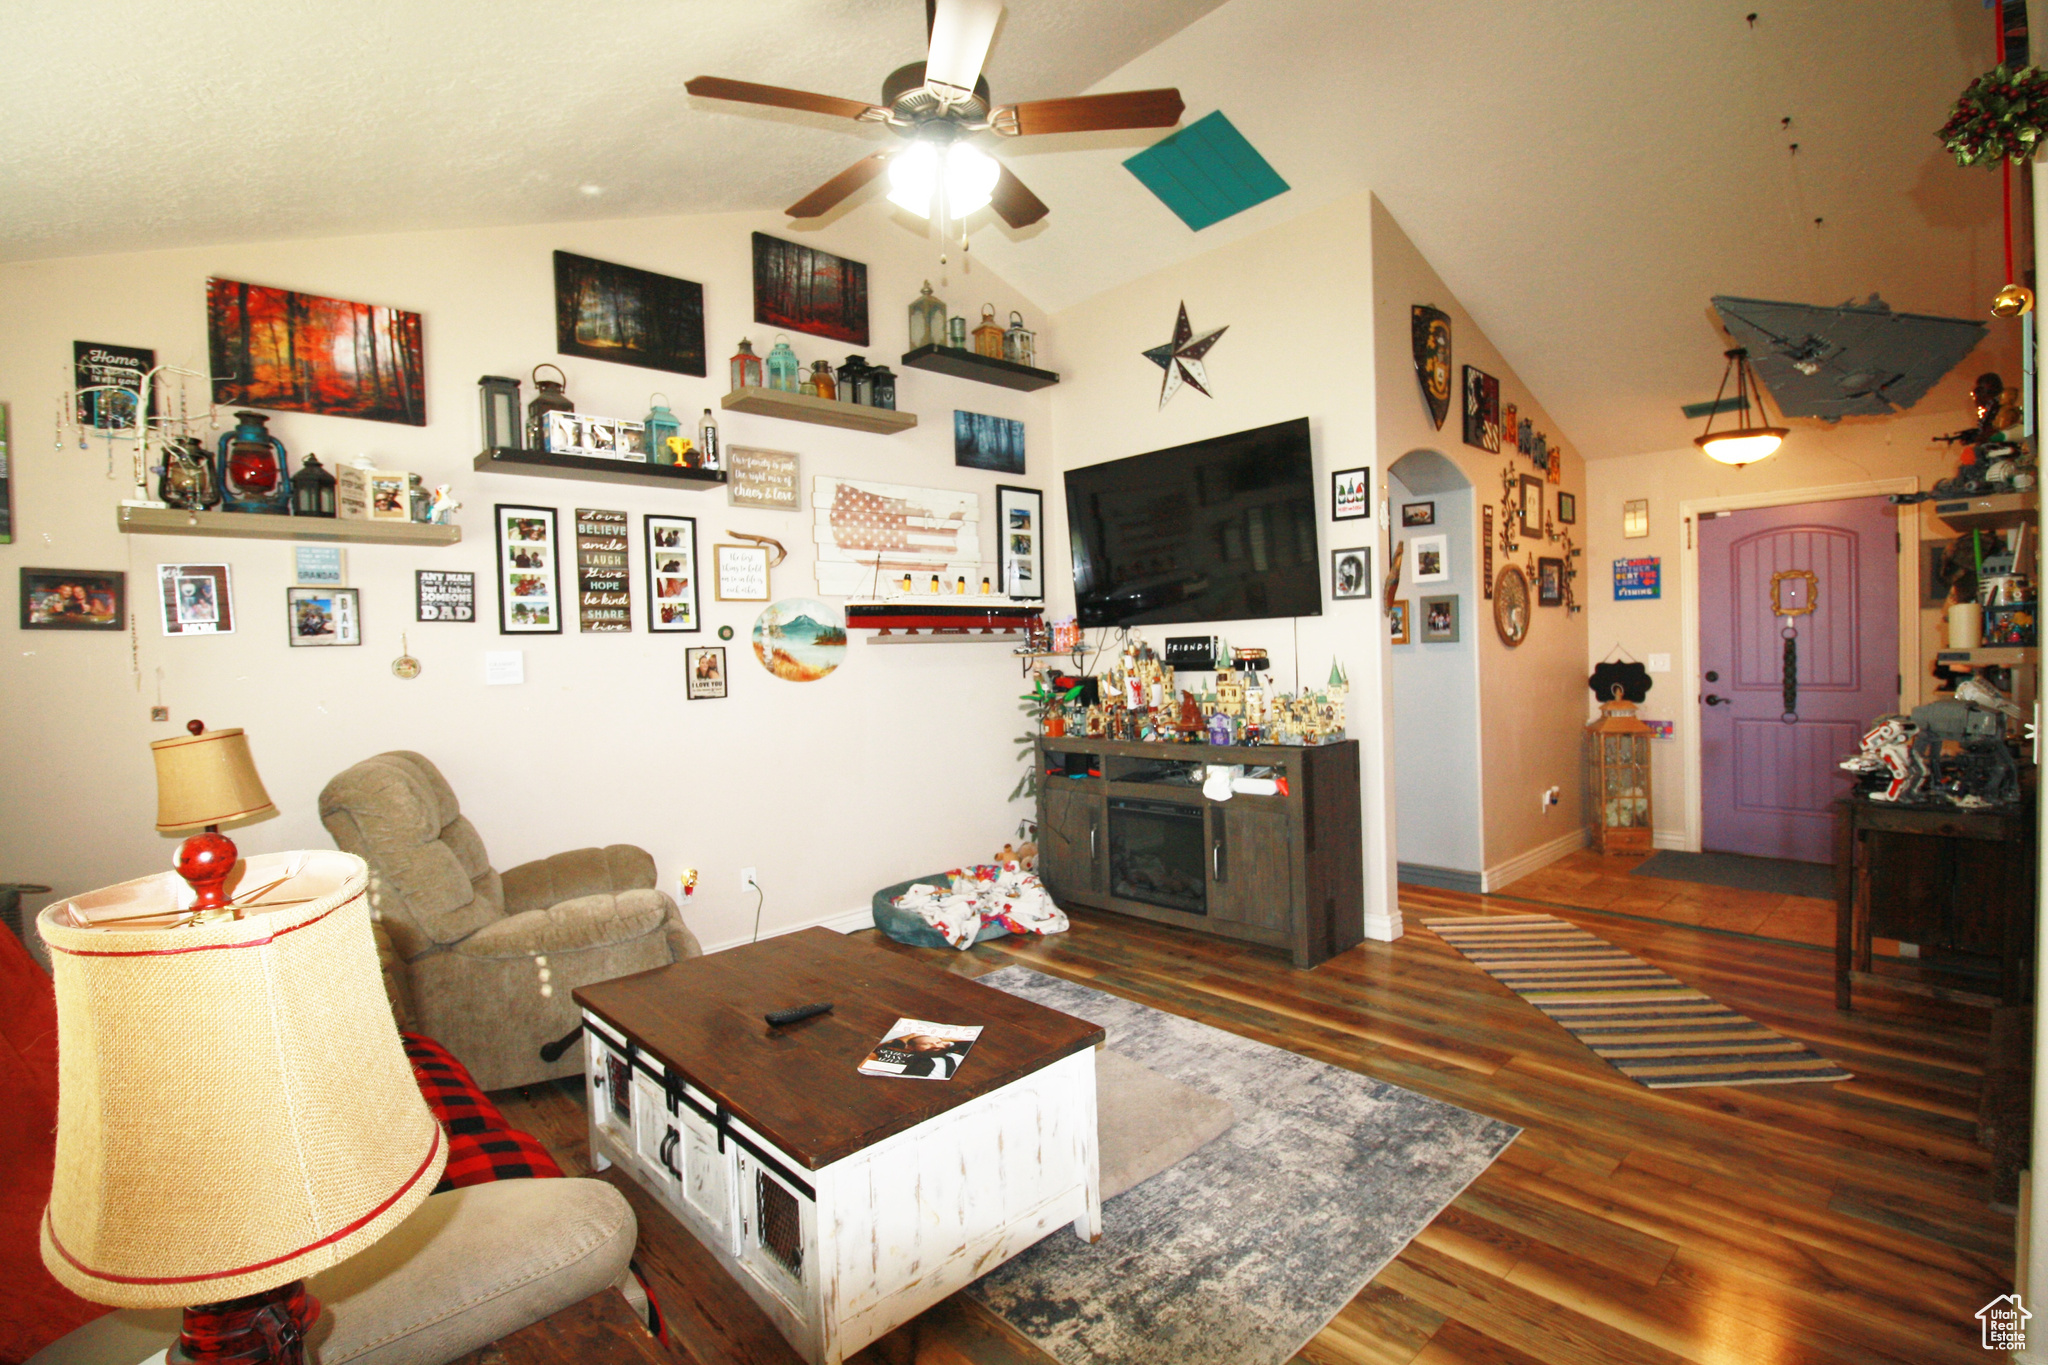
point(844, 1204)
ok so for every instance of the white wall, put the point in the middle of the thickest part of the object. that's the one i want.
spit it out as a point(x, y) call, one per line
point(897, 764)
point(1436, 700)
point(1294, 298)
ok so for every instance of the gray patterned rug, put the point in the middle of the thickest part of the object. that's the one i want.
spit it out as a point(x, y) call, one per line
point(1241, 1253)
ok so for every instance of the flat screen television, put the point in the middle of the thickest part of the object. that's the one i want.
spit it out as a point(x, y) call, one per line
point(1216, 530)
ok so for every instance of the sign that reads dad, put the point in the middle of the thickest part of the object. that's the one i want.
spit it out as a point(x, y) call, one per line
point(444, 595)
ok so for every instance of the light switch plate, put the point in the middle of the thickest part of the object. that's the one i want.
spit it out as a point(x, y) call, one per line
point(1660, 663)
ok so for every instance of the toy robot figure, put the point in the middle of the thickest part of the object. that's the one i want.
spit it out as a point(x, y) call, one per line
point(1888, 754)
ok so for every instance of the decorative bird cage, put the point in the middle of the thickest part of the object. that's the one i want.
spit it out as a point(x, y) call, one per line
point(1618, 778)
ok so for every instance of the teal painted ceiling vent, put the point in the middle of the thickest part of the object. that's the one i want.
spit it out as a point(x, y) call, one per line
point(1206, 172)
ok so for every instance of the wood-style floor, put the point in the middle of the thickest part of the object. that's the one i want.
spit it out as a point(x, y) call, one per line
point(1766, 1225)
point(1592, 881)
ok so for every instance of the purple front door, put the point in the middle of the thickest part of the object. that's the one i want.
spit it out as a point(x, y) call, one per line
point(1767, 771)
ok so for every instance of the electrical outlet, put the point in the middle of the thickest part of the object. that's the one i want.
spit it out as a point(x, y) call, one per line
point(748, 881)
point(1550, 797)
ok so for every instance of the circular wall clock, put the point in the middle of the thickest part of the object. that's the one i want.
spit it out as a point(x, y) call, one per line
point(1511, 606)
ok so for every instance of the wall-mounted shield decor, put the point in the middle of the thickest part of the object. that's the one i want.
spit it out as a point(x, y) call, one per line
point(1431, 329)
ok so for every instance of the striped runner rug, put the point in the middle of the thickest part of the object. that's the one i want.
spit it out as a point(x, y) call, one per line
point(1651, 1027)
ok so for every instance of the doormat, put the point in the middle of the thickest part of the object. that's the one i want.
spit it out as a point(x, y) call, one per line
point(1242, 1252)
point(1740, 872)
point(1652, 1028)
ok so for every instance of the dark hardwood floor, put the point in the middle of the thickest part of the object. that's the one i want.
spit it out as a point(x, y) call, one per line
point(1772, 1224)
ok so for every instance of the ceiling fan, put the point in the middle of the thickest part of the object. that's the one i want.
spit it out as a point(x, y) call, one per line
point(937, 105)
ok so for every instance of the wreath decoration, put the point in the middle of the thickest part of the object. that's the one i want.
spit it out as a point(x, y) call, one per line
point(1998, 118)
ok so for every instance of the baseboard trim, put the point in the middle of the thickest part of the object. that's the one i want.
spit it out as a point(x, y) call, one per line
point(1673, 839)
point(1543, 855)
point(1383, 928)
point(1442, 878)
point(848, 922)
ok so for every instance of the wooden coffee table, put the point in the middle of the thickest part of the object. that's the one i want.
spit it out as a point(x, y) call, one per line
point(844, 1204)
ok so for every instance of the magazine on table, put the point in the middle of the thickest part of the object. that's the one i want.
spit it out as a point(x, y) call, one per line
point(921, 1050)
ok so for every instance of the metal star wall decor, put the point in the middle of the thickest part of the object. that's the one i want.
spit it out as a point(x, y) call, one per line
point(1181, 358)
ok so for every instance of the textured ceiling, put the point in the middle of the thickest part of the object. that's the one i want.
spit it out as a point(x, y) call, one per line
point(1584, 174)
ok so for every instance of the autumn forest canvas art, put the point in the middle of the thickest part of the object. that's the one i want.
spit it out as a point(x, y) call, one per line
point(293, 352)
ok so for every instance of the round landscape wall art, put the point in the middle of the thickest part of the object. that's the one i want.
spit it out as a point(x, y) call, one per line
point(800, 639)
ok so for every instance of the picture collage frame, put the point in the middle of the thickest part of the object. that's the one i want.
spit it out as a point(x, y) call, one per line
point(529, 569)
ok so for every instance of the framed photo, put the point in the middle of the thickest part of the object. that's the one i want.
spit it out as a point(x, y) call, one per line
point(1482, 409)
point(984, 442)
point(1549, 582)
point(1567, 508)
point(74, 599)
point(322, 616)
point(196, 599)
point(1439, 620)
point(1418, 514)
point(1432, 558)
point(1529, 506)
point(1555, 469)
point(628, 316)
point(803, 289)
point(1635, 519)
point(673, 603)
point(742, 572)
point(1397, 621)
point(1351, 573)
point(1350, 494)
point(706, 664)
point(1020, 532)
point(529, 572)
point(444, 595)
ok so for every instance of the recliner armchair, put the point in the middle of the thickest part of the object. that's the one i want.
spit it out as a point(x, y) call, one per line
point(493, 957)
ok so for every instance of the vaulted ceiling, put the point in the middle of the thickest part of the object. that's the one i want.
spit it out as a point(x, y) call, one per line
point(1583, 173)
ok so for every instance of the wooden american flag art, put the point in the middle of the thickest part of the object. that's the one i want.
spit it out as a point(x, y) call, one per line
point(870, 534)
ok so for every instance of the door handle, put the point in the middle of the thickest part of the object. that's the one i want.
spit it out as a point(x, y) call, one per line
point(1091, 841)
point(1712, 700)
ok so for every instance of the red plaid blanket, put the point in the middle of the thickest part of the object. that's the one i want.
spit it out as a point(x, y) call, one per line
point(482, 1146)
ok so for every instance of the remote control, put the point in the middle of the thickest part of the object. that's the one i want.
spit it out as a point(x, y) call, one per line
point(790, 1016)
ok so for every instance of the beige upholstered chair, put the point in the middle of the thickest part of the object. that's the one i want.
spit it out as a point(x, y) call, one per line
point(491, 958)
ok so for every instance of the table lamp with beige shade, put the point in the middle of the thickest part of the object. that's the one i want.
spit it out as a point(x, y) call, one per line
point(206, 779)
point(235, 1109)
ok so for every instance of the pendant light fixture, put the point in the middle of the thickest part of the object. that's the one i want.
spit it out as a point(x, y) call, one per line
point(1744, 444)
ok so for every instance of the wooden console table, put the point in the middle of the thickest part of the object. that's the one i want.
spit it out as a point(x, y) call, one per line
point(1957, 880)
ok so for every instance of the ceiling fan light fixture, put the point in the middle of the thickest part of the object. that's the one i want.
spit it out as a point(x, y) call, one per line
point(971, 176)
point(1741, 445)
point(961, 31)
point(914, 177)
point(920, 172)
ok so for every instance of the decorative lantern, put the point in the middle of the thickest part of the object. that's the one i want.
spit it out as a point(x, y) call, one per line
point(1019, 346)
point(782, 366)
point(856, 384)
point(498, 402)
point(746, 367)
point(253, 475)
point(884, 387)
point(956, 333)
point(551, 396)
point(821, 384)
point(988, 338)
point(1618, 777)
point(927, 319)
point(312, 490)
point(662, 424)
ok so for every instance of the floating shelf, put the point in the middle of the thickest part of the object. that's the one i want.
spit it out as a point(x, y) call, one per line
point(173, 521)
point(950, 637)
point(983, 368)
point(827, 412)
point(1998, 656)
point(593, 468)
point(1988, 511)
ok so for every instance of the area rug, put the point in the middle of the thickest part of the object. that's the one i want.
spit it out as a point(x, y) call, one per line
point(1651, 1027)
point(1740, 872)
point(1241, 1253)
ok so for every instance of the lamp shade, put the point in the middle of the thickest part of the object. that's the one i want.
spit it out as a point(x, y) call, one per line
point(235, 1110)
point(207, 779)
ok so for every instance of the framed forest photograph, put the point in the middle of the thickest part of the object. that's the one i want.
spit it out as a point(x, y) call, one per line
point(628, 316)
point(292, 352)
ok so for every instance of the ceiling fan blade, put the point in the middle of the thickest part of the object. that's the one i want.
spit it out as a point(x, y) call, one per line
point(1090, 113)
point(827, 196)
point(719, 88)
point(960, 33)
point(1015, 204)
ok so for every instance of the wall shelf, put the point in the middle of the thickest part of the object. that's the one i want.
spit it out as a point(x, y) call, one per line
point(1988, 511)
point(803, 407)
point(173, 521)
point(1989, 656)
point(594, 469)
point(982, 368)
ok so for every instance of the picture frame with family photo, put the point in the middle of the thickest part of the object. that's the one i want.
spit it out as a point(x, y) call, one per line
point(322, 616)
point(1020, 532)
point(674, 601)
point(1439, 620)
point(529, 571)
point(197, 599)
point(1351, 573)
point(1432, 559)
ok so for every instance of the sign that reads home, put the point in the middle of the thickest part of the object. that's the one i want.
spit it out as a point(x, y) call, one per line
point(444, 595)
point(762, 478)
point(1636, 579)
point(605, 599)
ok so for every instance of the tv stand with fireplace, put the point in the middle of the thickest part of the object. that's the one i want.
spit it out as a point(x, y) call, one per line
point(1124, 826)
